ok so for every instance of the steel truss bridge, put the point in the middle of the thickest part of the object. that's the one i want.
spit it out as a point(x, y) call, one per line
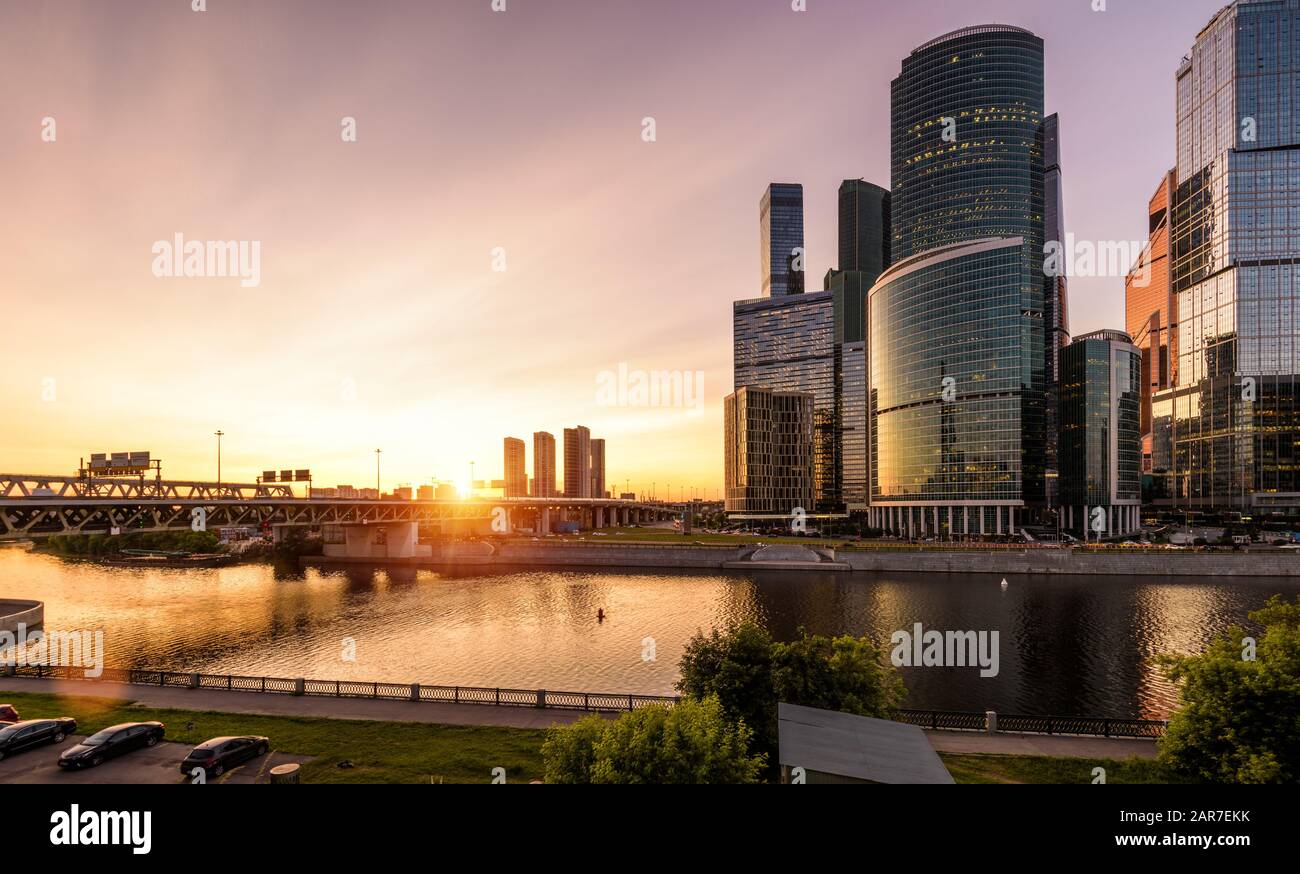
point(36, 506)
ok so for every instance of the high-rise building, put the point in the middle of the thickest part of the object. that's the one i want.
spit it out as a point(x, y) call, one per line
point(1056, 310)
point(1231, 420)
point(543, 465)
point(788, 344)
point(957, 336)
point(577, 462)
point(1101, 441)
point(780, 215)
point(865, 239)
point(864, 228)
point(516, 469)
point(598, 468)
point(767, 448)
point(1149, 311)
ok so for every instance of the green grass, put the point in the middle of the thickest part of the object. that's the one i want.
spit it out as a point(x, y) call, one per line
point(1053, 769)
point(402, 752)
point(382, 752)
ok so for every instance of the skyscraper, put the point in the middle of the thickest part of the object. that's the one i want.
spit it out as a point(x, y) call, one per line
point(1056, 310)
point(598, 468)
point(577, 462)
point(767, 452)
point(543, 465)
point(957, 335)
point(516, 470)
point(780, 216)
point(1149, 317)
point(864, 228)
point(1232, 416)
point(788, 344)
point(1101, 444)
point(865, 239)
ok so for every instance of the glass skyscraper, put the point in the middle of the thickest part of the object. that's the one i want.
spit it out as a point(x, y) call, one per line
point(1101, 435)
point(958, 340)
point(1231, 421)
point(788, 344)
point(768, 459)
point(780, 217)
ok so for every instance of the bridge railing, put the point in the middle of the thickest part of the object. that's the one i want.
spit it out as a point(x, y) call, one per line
point(594, 702)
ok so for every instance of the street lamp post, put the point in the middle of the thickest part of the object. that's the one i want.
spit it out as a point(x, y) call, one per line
point(219, 435)
point(377, 486)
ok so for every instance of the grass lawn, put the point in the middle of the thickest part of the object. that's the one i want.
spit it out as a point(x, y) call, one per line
point(383, 752)
point(1053, 769)
point(408, 752)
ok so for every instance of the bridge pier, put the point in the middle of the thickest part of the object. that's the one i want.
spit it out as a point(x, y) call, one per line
point(599, 521)
point(544, 521)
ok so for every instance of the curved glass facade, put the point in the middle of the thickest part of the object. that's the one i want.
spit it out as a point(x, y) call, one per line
point(986, 178)
point(947, 386)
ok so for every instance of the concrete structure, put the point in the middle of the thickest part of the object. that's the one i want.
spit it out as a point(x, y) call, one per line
point(577, 462)
point(543, 465)
point(29, 614)
point(516, 469)
point(598, 469)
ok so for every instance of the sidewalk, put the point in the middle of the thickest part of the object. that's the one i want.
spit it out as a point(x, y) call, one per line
point(269, 704)
point(979, 743)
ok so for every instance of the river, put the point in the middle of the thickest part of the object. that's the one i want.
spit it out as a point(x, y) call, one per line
point(1069, 645)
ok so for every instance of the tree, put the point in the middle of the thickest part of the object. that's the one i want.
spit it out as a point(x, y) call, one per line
point(749, 674)
point(1238, 719)
point(690, 743)
point(735, 666)
point(845, 673)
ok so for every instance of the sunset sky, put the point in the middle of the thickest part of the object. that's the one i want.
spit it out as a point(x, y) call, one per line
point(379, 320)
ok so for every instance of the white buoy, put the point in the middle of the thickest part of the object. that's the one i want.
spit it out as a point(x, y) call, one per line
point(1004, 583)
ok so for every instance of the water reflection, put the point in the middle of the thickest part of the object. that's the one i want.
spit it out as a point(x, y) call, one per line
point(1069, 645)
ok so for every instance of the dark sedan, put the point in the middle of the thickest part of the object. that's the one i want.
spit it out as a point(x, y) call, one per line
point(112, 741)
point(22, 736)
point(217, 756)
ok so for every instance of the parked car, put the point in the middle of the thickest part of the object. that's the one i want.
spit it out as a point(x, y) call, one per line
point(22, 736)
point(111, 742)
point(220, 754)
point(8, 713)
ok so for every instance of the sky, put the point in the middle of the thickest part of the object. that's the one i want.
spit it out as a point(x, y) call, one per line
point(497, 242)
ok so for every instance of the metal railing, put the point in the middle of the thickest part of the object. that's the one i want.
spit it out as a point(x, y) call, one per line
point(500, 697)
point(1093, 726)
point(602, 702)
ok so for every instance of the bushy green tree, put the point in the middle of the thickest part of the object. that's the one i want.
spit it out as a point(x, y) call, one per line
point(735, 666)
point(1238, 719)
point(750, 673)
point(690, 743)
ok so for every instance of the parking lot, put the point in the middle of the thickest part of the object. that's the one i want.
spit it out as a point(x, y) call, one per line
point(157, 764)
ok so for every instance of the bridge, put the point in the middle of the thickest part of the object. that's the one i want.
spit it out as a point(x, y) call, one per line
point(37, 506)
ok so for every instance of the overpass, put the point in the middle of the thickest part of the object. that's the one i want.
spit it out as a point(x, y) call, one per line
point(36, 506)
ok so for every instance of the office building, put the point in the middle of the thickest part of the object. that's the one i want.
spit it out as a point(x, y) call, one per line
point(864, 228)
point(1232, 416)
point(577, 462)
point(788, 344)
point(516, 469)
point(780, 215)
point(1056, 309)
point(1101, 440)
point(767, 452)
point(957, 338)
point(1149, 316)
point(543, 465)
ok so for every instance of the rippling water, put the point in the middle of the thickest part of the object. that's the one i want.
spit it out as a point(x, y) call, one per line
point(1069, 645)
